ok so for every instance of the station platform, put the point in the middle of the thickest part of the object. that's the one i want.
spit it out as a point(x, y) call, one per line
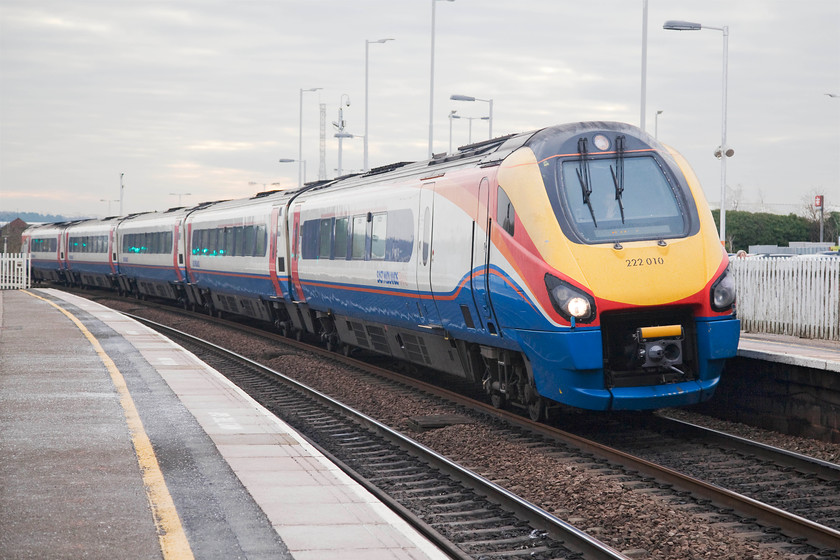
point(117, 443)
point(813, 354)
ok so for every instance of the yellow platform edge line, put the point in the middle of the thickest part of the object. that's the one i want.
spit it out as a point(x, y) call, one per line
point(173, 539)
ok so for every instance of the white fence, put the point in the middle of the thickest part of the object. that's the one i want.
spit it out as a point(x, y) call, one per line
point(14, 271)
point(791, 296)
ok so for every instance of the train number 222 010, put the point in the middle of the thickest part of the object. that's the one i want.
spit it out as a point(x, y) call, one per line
point(650, 261)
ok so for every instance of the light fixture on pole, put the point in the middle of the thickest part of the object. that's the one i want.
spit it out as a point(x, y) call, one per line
point(367, 44)
point(724, 150)
point(471, 119)
point(300, 135)
point(656, 125)
point(109, 201)
point(302, 162)
point(341, 135)
point(432, 82)
point(457, 97)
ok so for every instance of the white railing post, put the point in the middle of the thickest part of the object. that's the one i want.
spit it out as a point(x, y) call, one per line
point(790, 296)
point(15, 271)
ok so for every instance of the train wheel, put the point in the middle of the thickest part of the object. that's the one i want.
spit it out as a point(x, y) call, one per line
point(497, 399)
point(536, 409)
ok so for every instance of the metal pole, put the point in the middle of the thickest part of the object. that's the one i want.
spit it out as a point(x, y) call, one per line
point(491, 120)
point(300, 140)
point(121, 195)
point(644, 63)
point(432, 85)
point(365, 159)
point(300, 136)
point(723, 147)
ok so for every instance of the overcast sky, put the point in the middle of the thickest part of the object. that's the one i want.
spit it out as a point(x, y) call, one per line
point(203, 96)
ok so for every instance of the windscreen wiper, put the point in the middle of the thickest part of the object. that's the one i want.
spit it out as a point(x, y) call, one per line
point(583, 177)
point(618, 173)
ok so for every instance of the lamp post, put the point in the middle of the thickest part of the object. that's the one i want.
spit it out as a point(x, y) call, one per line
point(642, 116)
point(300, 135)
point(302, 162)
point(367, 45)
point(471, 119)
point(432, 82)
point(723, 150)
point(179, 195)
point(341, 135)
point(451, 116)
point(457, 97)
point(656, 125)
point(109, 201)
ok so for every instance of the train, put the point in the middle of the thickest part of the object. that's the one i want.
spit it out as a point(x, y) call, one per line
point(576, 265)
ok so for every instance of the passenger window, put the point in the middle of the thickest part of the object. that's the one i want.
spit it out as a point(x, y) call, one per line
point(325, 238)
point(341, 238)
point(505, 214)
point(379, 230)
point(359, 232)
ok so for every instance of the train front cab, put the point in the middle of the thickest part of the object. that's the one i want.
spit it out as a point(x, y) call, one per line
point(657, 306)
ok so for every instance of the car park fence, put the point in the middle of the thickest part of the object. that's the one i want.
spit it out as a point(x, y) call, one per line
point(789, 296)
point(15, 271)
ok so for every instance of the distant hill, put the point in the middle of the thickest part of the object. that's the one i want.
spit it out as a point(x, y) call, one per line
point(30, 217)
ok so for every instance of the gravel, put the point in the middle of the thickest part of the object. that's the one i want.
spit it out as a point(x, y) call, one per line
point(642, 524)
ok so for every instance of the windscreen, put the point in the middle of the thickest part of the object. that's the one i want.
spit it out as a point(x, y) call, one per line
point(619, 199)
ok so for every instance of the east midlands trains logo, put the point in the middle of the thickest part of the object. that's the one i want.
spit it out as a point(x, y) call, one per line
point(388, 278)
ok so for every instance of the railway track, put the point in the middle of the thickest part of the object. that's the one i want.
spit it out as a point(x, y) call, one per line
point(463, 513)
point(652, 460)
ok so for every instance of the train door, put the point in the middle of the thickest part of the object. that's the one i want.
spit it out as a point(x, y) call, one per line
point(63, 248)
point(480, 277)
point(294, 285)
point(112, 249)
point(178, 251)
point(425, 257)
point(277, 249)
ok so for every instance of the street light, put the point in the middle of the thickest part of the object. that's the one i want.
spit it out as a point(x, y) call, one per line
point(341, 135)
point(301, 161)
point(109, 201)
point(432, 82)
point(451, 116)
point(723, 149)
point(300, 135)
point(471, 119)
point(643, 103)
point(367, 44)
point(457, 97)
point(179, 195)
point(656, 125)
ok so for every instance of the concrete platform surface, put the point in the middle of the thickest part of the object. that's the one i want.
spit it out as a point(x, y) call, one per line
point(117, 443)
point(815, 354)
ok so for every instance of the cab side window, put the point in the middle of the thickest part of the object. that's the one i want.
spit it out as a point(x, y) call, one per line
point(505, 214)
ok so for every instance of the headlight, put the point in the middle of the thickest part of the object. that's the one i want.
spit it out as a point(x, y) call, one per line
point(570, 301)
point(722, 294)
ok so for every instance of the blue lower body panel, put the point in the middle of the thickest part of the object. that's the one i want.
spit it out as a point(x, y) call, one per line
point(568, 368)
